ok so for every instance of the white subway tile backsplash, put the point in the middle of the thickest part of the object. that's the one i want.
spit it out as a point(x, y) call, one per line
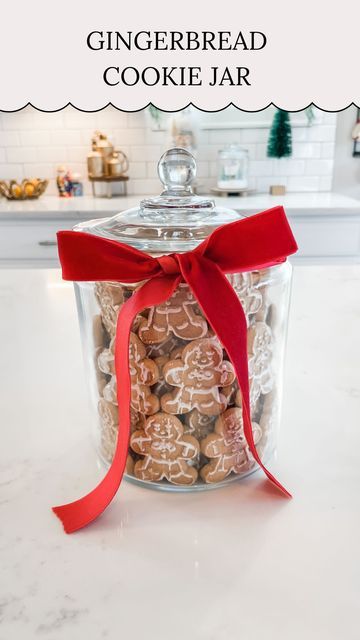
point(123, 137)
point(51, 154)
point(303, 183)
point(111, 118)
point(18, 120)
point(325, 183)
point(11, 172)
point(306, 149)
point(76, 154)
point(254, 135)
point(300, 134)
point(319, 167)
point(39, 170)
point(74, 119)
point(148, 152)
point(327, 149)
point(139, 187)
point(225, 136)
point(261, 168)
point(9, 139)
point(202, 169)
point(48, 121)
point(321, 134)
point(68, 137)
point(35, 138)
point(263, 184)
point(136, 120)
point(138, 170)
point(34, 143)
point(21, 154)
point(290, 167)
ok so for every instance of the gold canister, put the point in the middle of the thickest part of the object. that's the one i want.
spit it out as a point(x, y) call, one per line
point(103, 144)
point(117, 164)
point(95, 162)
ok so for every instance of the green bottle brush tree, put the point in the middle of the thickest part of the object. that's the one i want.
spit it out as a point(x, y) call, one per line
point(279, 143)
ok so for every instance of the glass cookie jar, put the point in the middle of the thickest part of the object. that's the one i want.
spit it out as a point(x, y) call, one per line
point(187, 428)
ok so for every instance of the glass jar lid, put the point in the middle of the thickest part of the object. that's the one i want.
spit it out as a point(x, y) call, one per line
point(177, 220)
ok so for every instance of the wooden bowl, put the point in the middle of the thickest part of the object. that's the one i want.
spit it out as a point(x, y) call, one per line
point(28, 189)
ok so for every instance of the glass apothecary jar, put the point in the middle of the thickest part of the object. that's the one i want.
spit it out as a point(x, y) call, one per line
point(233, 167)
point(186, 419)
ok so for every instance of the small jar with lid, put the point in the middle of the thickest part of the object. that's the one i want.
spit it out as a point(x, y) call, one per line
point(187, 428)
point(233, 168)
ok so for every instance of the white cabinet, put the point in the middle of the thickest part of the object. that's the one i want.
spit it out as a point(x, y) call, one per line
point(30, 244)
point(326, 226)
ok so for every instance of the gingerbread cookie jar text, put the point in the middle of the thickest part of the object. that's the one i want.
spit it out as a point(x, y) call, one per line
point(185, 404)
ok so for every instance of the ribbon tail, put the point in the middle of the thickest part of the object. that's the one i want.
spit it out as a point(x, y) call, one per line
point(80, 513)
point(224, 311)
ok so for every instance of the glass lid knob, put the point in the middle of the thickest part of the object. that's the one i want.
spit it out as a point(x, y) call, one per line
point(177, 171)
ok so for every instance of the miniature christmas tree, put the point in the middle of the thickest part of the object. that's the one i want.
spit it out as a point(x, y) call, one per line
point(280, 142)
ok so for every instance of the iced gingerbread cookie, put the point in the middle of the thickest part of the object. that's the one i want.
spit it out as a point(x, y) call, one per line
point(143, 373)
point(175, 317)
point(110, 298)
point(227, 447)
point(254, 394)
point(100, 337)
point(109, 429)
point(251, 299)
point(109, 419)
point(260, 346)
point(161, 386)
point(198, 374)
point(198, 425)
point(163, 348)
point(106, 359)
point(166, 450)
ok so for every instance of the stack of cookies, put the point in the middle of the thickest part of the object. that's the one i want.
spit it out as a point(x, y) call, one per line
point(186, 416)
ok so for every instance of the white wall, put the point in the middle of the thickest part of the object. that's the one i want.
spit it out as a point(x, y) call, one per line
point(33, 143)
point(346, 167)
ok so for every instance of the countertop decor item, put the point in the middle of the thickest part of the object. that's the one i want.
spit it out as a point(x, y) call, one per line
point(279, 144)
point(194, 391)
point(233, 167)
point(28, 189)
point(95, 162)
point(117, 164)
point(101, 152)
point(106, 165)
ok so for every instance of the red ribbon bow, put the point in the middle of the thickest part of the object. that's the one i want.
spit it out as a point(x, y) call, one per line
point(256, 242)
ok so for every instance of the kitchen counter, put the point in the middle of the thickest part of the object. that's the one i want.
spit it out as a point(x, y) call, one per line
point(88, 207)
point(238, 562)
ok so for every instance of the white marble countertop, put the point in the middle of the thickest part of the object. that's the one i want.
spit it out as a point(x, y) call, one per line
point(296, 204)
point(235, 563)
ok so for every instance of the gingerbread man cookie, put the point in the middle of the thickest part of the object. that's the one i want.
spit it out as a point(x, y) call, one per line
point(260, 346)
point(110, 298)
point(143, 373)
point(198, 425)
point(176, 316)
point(250, 297)
point(198, 374)
point(166, 450)
point(163, 348)
point(106, 359)
point(227, 447)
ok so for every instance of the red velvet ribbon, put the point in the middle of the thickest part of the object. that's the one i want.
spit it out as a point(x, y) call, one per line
point(256, 242)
